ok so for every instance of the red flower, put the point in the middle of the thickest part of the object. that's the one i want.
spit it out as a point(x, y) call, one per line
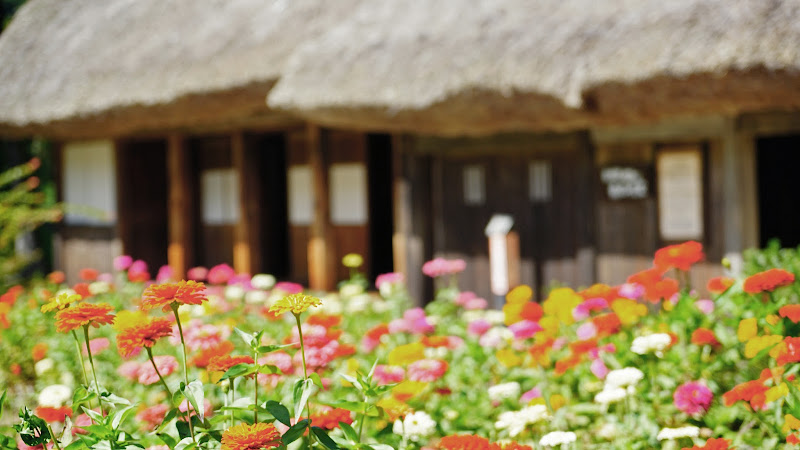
point(203, 358)
point(790, 311)
point(88, 274)
point(464, 442)
point(82, 289)
point(326, 320)
point(532, 311)
point(223, 363)
point(607, 324)
point(82, 315)
point(679, 256)
point(713, 444)
point(704, 336)
point(144, 335)
point(56, 277)
point(165, 294)
point(749, 391)
point(767, 281)
point(790, 352)
point(329, 418)
point(718, 285)
point(51, 414)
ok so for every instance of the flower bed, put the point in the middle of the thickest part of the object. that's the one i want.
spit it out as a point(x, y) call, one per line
point(234, 362)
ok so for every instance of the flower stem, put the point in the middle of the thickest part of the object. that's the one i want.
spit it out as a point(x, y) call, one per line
point(185, 371)
point(53, 436)
point(153, 361)
point(80, 355)
point(255, 396)
point(305, 375)
point(363, 418)
point(94, 372)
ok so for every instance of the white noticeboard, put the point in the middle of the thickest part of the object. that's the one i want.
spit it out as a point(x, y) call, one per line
point(348, 194)
point(90, 181)
point(680, 194)
point(301, 197)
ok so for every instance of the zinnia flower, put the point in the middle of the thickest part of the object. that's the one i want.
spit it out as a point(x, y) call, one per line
point(718, 285)
point(295, 303)
point(166, 294)
point(60, 301)
point(712, 444)
point(251, 437)
point(415, 426)
point(51, 414)
point(704, 336)
point(677, 433)
point(790, 311)
point(142, 335)
point(555, 438)
point(427, 370)
point(225, 362)
point(693, 398)
point(464, 442)
point(767, 281)
point(679, 256)
point(166, 364)
point(83, 315)
point(329, 418)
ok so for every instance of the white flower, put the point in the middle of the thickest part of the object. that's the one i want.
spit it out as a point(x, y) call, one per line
point(608, 431)
point(436, 352)
point(415, 426)
point(623, 377)
point(67, 291)
point(358, 303)
point(677, 433)
point(331, 305)
point(234, 292)
point(554, 438)
point(516, 421)
point(350, 290)
point(610, 395)
point(99, 287)
point(652, 343)
point(502, 391)
point(55, 395)
point(43, 366)
point(256, 297)
point(262, 281)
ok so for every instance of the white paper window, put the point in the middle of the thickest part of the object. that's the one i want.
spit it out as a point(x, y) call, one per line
point(220, 196)
point(474, 185)
point(680, 194)
point(301, 197)
point(540, 181)
point(348, 194)
point(90, 182)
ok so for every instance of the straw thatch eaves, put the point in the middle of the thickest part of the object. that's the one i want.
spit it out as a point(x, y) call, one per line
point(489, 65)
point(82, 67)
point(109, 67)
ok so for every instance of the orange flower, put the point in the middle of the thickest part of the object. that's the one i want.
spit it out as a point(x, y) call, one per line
point(750, 391)
point(225, 362)
point(464, 442)
point(39, 351)
point(204, 357)
point(52, 414)
point(790, 351)
point(531, 311)
point(563, 365)
point(792, 439)
point(767, 281)
point(435, 341)
point(704, 336)
point(655, 288)
point(82, 289)
point(600, 291)
point(142, 335)
point(56, 277)
point(513, 445)
point(88, 274)
point(326, 320)
point(790, 311)
point(251, 437)
point(166, 294)
point(679, 256)
point(718, 285)
point(330, 418)
point(82, 315)
point(712, 444)
point(607, 324)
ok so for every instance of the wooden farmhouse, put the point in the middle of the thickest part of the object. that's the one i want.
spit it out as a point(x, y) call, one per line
point(280, 135)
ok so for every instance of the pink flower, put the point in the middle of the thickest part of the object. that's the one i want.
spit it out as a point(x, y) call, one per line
point(199, 335)
point(586, 330)
point(164, 274)
point(106, 277)
point(122, 262)
point(435, 267)
point(389, 278)
point(197, 273)
point(476, 303)
point(525, 329)
point(705, 306)
point(478, 327)
point(599, 369)
point(463, 297)
point(455, 266)
point(166, 365)
point(417, 322)
point(288, 287)
point(693, 398)
point(633, 291)
point(138, 266)
point(427, 370)
point(184, 406)
point(97, 345)
point(152, 417)
point(530, 395)
point(388, 374)
point(220, 274)
point(583, 310)
point(129, 370)
point(398, 326)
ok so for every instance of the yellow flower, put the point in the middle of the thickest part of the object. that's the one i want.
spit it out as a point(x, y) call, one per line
point(790, 422)
point(519, 295)
point(295, 303)
point(774, 393)
point(773, 319)
point(352, 260)
point(550, 328)
point(393, 408)
point(407, 389)
point(758, 343)
point(60, 302)
point(629, 311)
point(560, 303)
point(557, 401)
point(748, 328)
point(512, 313)
point(129, 319)
point(508, 357)
point(406, 354)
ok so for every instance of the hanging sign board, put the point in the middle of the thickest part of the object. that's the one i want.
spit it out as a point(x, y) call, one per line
point(625, 182)
point(680, 194)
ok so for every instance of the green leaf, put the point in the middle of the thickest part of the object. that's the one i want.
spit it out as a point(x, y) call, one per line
point(324, 438)
point(194, 392)
point(307, 389)
point(349, 432)
point(94, 415)
point(248, 338)
point(271, 348)
point(2, 402)
point(239, 370)
point(279, 412)
point(185, 444)
point(167, 439)
point(315, 378)
point(120, 415)
point(294, 432)
point(268, 368)
point(33, 429)
point(167, 420)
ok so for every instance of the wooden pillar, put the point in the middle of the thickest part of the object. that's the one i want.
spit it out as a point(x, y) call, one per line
point(321, 246)
point(740, 204)
point(246, 232)
point(180, 253)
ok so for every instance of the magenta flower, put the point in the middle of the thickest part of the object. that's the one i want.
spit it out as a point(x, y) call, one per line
point(599, 369)
point(525, 329)
point(389, 278)
point(478, 327)
point(288, 287)
point(164, 274)
point(530, 395)
point(693, 398)
point(197, 273)
point(583, 310)
point(389, 374)
point(122, 262)
point(166, 365)
point(220, 274)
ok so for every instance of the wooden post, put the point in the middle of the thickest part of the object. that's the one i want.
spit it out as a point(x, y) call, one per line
point(180, 253)
point(321, 248)
point(245, 233)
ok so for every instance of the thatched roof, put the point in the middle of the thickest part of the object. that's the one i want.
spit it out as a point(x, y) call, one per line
point(486, 65)
point(118, 66)
point(89, 67)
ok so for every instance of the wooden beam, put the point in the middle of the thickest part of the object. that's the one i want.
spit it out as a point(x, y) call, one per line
point(321, 245)
point(245, 230)
point(180, 253)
